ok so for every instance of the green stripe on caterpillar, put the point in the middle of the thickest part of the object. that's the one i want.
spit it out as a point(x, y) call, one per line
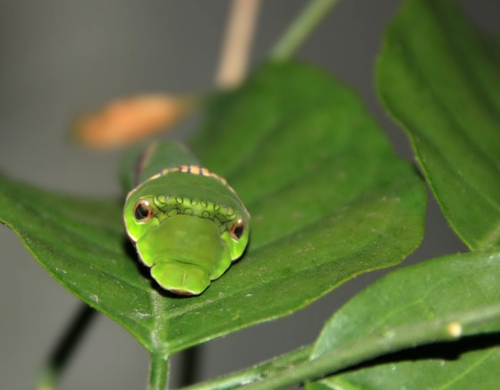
point(187, 224)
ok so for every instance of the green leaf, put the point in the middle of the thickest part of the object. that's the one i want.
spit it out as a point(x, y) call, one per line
point(438, 300)
point(440, 79)
point(472, 370)
point(328, 198)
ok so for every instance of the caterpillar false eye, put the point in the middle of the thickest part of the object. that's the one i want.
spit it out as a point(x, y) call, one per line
point(238, 229)
point(143, 211)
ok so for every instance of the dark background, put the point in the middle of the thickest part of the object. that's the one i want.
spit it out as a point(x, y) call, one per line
point(59, 58)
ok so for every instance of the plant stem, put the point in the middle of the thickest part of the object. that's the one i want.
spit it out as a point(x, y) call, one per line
point(158, 371)
point(257, 372)
point(237, 43)
point(51, 371)
point(305, 23)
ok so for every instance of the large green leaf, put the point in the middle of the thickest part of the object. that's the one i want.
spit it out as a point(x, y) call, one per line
point(438, 300)
point(328, 198)
point(440, 79)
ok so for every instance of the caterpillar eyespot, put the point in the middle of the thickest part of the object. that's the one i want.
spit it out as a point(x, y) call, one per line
point(237, 229)
point(143, 211)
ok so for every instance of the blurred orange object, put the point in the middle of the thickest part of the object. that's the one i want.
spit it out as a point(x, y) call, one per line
point(124, 121)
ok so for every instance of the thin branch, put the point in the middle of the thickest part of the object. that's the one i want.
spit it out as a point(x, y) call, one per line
point(58, 359)
point(237, 43)
point(158, 372)
point(256, 373)
point(310, 17)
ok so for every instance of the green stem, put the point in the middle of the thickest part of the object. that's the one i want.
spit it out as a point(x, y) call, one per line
point(257, 372)
point(158, 372)
point(301, 28)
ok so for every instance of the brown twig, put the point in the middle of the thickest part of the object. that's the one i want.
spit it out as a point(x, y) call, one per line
point(237, 43)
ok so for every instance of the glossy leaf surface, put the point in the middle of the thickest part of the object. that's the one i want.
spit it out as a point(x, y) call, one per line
point(328, 198)
point(436, 301)
point(440, 79)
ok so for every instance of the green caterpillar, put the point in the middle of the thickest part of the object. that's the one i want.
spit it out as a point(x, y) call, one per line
point(186, 222)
